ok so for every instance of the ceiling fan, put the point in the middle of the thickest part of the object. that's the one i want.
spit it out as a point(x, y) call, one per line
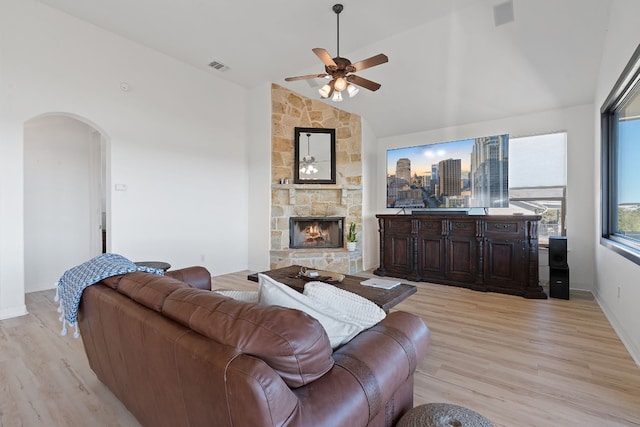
point(340, 70)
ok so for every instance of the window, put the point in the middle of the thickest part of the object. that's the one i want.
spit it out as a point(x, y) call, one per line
point(537, 181)
point(549, 202)
point(620, 118)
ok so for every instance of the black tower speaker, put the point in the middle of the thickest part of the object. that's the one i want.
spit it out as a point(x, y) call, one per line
point(559, 283)
point(558, 267)
point(558, 252)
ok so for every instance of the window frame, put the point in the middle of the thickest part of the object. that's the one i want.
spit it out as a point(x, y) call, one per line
point(625, 87)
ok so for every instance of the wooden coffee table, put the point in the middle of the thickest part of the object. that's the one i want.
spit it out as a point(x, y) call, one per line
point(384, 298)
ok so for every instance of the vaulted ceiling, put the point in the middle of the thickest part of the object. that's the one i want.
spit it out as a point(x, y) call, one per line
point(449, 63)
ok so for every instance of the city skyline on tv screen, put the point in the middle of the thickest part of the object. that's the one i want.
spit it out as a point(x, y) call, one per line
point(454, 174)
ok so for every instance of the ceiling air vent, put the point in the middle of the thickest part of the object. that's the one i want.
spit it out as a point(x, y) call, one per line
point(503, 13)
point(218, 66)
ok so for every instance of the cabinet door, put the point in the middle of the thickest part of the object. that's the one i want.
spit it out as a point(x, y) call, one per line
point(431, 247)
point(398, 247)
point(504, 264)
point(505, 255)
point(462, 258)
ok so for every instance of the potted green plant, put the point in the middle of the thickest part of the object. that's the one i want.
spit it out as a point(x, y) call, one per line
point(351, 237)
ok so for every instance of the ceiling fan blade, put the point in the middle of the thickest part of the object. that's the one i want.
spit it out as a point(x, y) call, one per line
point(308, 76)
point(365, 83)
point(370, 62)
point(324, 56)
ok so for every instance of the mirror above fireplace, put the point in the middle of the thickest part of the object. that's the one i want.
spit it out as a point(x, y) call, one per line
point(315, 156)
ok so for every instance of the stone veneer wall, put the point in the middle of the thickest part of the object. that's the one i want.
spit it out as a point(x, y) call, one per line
point(343, 199)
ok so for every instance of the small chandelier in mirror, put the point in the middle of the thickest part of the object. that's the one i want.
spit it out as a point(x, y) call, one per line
point(307, 166)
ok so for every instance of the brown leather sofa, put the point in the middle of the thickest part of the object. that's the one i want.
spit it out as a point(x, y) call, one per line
point(177, 354)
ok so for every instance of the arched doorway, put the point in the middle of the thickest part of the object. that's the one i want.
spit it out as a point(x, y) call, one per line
point(65, 200)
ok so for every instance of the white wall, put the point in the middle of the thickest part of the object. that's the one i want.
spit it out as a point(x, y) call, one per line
point(612, 270)
point(177, 140)
point(259, 160)
point(370, 172)
point(11, 213)
point(61, 188)
point(578, 122)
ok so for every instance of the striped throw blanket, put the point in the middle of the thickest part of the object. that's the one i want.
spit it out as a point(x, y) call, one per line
point(76, 279)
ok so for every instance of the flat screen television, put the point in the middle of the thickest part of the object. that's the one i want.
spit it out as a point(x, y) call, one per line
point(469, 173)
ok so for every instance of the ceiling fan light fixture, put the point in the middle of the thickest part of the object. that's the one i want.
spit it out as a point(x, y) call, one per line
point(337, 96)
point(308, 170)
point(325, 91)
point(352, 91)
point(340, 84)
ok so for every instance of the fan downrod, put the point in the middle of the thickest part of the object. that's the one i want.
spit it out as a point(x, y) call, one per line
point(337, 8)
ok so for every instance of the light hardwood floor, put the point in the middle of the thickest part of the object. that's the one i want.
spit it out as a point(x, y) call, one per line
point(518, 362)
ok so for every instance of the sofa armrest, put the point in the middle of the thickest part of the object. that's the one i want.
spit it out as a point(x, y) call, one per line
point(383, 357)
point(198, 277)
point(368, 372)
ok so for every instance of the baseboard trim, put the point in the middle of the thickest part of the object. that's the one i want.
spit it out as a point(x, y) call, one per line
point(620, 331)
point(13, 312)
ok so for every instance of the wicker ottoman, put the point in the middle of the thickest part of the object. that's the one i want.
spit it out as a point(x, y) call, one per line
point(442, 415)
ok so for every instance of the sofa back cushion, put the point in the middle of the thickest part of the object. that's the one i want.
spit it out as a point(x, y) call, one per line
point(289, 341)
point(148, 289)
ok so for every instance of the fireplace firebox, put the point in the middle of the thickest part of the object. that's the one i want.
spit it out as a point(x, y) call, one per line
point(315, 232)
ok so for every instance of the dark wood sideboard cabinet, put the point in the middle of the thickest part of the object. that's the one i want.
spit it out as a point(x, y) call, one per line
point(491, 253)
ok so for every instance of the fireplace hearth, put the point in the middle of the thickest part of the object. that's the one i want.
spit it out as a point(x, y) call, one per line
point(315, 232)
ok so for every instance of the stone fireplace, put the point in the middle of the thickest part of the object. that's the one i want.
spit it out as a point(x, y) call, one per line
point(342, 200)
point(314, 232)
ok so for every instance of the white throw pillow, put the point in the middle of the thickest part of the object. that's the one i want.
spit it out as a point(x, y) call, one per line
point(339, 328)
point(358, 310)
point(245, 296)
